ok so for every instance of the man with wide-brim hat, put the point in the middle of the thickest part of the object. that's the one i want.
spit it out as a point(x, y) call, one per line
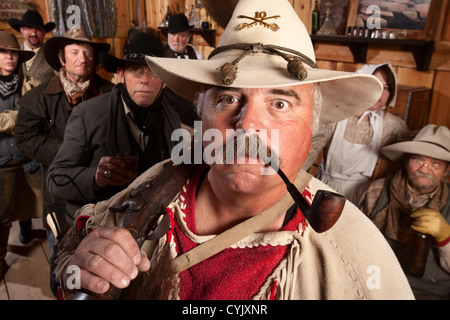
point(31, 19)
point(45, 110)
point(235, 232)
point(133, 117)
point(33, 29)
point(54, 46)
point(416, 199)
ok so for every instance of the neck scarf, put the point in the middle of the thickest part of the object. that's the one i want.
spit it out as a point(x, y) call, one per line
point(149, 119)
point(9, 85)
point(394, 220)
point(75, 92)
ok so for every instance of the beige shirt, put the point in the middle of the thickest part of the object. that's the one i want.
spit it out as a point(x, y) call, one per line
point(30, 62)
point(352, 260)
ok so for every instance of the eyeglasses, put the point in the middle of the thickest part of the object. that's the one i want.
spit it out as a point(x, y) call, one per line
point(434, 164)
point(139, 72)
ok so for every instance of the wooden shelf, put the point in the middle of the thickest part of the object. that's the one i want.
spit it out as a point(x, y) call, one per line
point(208, 34)
point(421, 49)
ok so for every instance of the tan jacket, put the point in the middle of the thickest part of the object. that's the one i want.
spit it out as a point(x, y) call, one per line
point(352, 260)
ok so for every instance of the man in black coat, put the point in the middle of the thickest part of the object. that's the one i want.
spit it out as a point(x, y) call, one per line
point(179, 35)
point(44, 110)
point(132, 117)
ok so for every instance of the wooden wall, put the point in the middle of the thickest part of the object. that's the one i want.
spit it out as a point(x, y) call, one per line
point(330, 56)
point(339, 57)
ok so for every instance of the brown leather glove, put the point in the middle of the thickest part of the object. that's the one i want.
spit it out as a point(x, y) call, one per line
point(431, 222)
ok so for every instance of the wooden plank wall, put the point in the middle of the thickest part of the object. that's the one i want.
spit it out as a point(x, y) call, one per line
point(339, 57)
point(329, 56)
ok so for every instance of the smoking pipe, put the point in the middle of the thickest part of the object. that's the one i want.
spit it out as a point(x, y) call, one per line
point(325, 209)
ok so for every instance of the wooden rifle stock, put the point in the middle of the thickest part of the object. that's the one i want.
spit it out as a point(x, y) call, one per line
point(142, 209)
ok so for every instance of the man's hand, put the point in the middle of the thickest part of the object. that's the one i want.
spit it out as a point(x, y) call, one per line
point(431, 222)
point(108, 256)
point(112, 172)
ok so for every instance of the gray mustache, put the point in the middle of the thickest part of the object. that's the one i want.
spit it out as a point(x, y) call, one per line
point(249, 146)
point(420, 174)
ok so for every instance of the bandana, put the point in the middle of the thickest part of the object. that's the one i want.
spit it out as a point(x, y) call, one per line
point(8, 85)
point(75, 92)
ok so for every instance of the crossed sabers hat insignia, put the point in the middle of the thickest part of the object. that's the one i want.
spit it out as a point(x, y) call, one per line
point(259, 18)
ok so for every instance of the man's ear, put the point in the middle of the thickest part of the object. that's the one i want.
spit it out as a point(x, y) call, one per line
point(121, 74)
point(61, 59)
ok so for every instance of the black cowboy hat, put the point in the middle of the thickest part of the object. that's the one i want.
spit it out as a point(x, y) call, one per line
point(141, 45)
point(53, 46)
point(179, 23)
point(31, 18)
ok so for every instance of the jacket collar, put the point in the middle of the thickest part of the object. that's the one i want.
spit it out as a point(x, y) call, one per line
point(54, 86)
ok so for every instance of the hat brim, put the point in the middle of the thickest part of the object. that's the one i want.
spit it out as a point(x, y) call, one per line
point(24, 55)
point(53, 46)
point(110, 63)
point(16, 24)
point(177, 30)
point(397, 152)
point(344, 94)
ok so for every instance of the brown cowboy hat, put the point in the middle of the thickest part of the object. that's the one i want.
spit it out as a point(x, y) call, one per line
point(54, 45)
point(31, 18)
point(8, 41)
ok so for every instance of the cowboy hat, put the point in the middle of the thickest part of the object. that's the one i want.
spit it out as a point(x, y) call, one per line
point(8, 41)
point(31, 18)
point(261, 36)
point(179, 23)
point(54, 45)
point(140, 45)
point(432, 141)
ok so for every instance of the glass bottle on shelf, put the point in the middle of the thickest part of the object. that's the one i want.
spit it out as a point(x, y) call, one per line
point(315, 18)
point(186, 10)
point(167, 16)
point(328, 25)
point(192, 15)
